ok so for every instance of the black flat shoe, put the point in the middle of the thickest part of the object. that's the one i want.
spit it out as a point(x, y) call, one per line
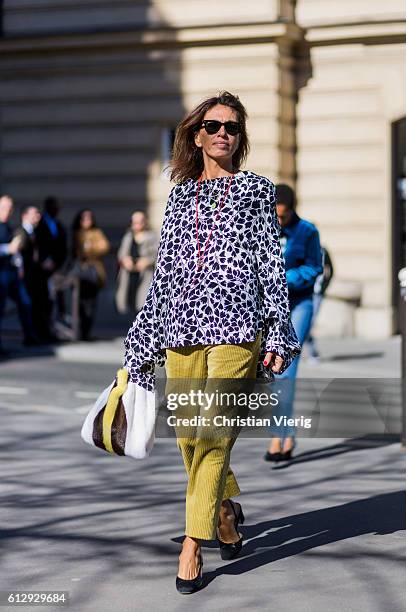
point(230, 551)
point(287, 455)
point(187, 587)
point(275, 457)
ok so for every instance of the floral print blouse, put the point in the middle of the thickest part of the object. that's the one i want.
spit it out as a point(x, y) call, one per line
point(240, 289)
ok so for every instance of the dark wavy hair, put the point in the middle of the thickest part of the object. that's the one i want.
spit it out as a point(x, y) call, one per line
point(75, 229)
point(187, 157)
point(76, 223)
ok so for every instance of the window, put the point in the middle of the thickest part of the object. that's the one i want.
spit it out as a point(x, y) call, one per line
point(399, 205)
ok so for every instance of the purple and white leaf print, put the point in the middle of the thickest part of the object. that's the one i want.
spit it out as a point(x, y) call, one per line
point(240, 290)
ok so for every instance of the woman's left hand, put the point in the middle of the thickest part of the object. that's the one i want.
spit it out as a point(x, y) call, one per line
point(141, 264)
point(274, 361)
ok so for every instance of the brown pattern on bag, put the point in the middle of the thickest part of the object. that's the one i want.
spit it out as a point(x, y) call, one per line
point(98, 430)
point(119, 429)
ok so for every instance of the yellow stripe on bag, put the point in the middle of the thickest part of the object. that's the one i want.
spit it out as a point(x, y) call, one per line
point(111, 407)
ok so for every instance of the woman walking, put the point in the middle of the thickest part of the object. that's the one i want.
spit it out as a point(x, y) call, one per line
point(90, 245)
point(217, 306)
point(136, 258)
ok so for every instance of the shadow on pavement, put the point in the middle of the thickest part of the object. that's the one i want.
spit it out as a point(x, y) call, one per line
point(349, 356)
point(348, 446)
point(15, 353)
point(378, 515)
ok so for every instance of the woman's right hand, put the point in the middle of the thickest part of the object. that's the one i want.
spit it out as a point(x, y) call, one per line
point(127, 263)
point(274, 361)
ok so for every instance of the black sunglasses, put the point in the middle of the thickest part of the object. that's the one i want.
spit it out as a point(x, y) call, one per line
point(212, 126)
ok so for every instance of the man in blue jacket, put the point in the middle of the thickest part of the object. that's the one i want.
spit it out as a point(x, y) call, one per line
point(11, 285)
point(301, 249)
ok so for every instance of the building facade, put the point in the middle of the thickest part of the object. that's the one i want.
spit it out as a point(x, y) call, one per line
point(91, 92)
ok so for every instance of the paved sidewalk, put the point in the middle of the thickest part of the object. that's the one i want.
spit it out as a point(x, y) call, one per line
point(336, 382)
point(325, 533)
point(340, 357)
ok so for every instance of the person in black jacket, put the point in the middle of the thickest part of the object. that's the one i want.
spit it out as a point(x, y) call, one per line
point(53, 250)
point(51, 236)
point(34, 274)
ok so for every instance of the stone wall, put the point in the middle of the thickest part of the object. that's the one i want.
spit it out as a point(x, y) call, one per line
point(356, 90)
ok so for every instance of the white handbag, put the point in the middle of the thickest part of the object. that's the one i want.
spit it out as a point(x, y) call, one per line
point(122, 420)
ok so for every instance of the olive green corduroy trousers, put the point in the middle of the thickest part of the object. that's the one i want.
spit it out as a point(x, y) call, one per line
point(207, 459)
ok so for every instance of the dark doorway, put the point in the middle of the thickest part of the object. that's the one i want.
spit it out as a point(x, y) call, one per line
point(398, 208)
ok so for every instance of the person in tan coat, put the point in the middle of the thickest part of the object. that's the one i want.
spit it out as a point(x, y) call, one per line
point(90, 245)
point(136, 259)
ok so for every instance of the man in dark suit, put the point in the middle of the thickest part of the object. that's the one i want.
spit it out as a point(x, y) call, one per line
point(34, 274)
point(52, 245)
point(51, 236)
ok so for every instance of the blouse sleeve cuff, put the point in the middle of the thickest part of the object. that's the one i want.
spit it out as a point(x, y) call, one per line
point(283, 341)
point(142, 373)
